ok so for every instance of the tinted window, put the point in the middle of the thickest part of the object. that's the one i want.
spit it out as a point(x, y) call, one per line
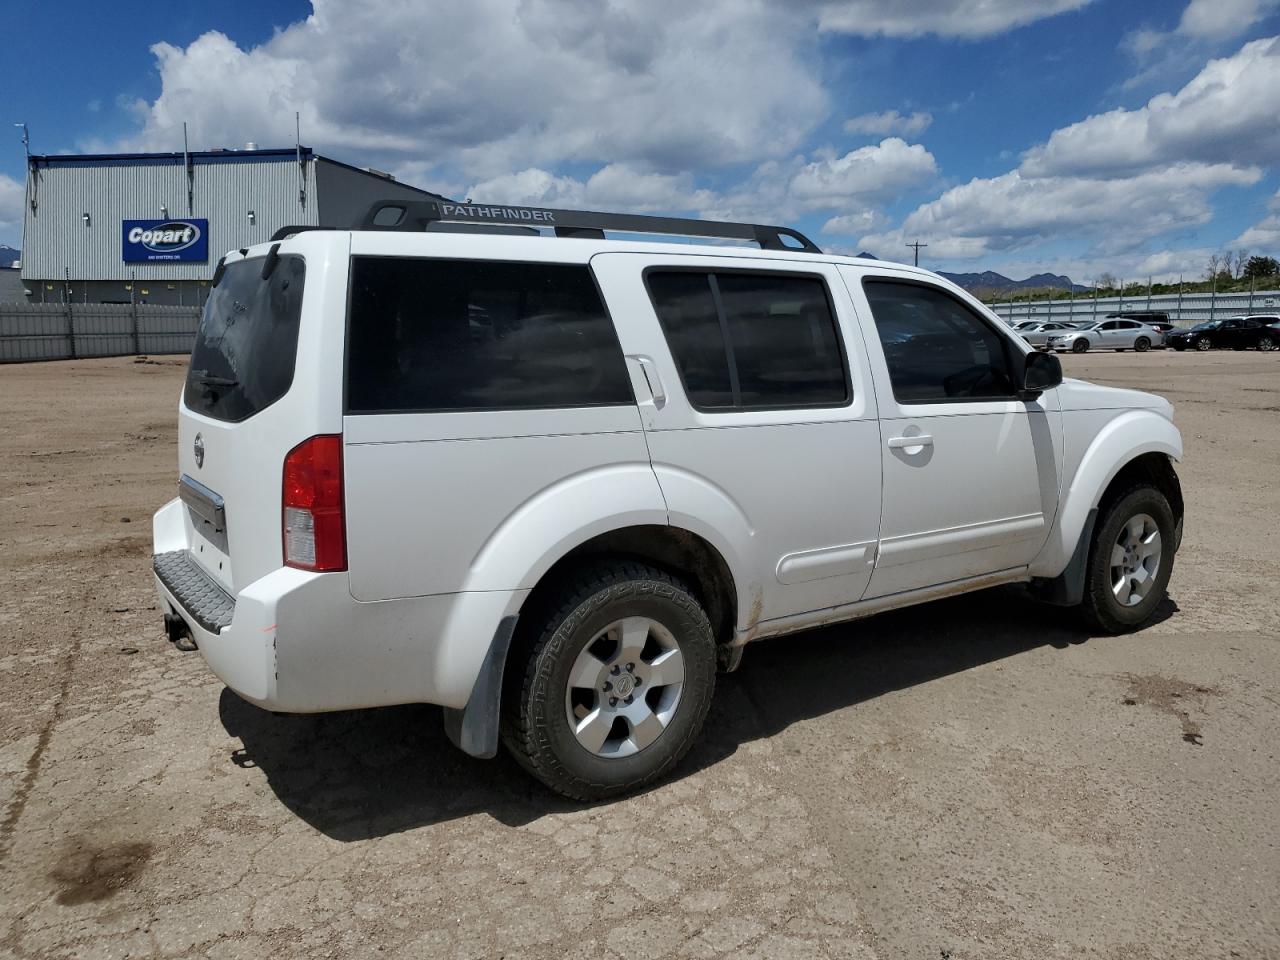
point(476, 335)
point(244, 352)
point(751, 340)
point(687, 311)
point(935, 347)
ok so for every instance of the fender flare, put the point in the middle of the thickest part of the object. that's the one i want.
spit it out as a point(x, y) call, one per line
point(532, 540)
point(1124, 439)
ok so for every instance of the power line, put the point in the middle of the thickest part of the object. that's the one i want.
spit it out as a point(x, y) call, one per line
point(916, 246)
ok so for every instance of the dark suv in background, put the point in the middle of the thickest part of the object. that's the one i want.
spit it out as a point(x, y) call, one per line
point(1238, 333)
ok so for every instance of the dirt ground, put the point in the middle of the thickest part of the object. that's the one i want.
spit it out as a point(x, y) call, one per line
point(977, 778)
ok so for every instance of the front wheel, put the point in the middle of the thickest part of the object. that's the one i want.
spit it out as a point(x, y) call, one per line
point(616, 682)
point(1130, 561)
point(1080, 346)
point(1142, 344)
point(1203, 343)
point(1266, 343)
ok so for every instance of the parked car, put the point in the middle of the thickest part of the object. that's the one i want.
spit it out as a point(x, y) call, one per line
point(1038, 335)
point(1238, 333)
point(549, 531)
point(1108, 335)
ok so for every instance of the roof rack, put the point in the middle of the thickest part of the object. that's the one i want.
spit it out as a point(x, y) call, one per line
point(423, 214)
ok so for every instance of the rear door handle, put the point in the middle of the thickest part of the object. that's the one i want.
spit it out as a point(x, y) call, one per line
point(651, 377)
point(897, 443)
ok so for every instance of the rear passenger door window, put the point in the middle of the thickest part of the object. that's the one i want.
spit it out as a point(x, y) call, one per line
point(745, 340)
point(428, 335)
point(935, 347)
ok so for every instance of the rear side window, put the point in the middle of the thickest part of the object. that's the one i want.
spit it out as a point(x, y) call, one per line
point(436, 335)
point(745, 340)
point(935, 347)
point(245, 347)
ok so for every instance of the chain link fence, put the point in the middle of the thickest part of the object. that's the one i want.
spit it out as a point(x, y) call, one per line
point(66, 331)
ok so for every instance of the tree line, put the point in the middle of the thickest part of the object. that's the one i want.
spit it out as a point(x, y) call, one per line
point(1231, 271)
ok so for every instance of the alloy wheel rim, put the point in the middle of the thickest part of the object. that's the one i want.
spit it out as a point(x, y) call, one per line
point(624, 687)
point(1135, 560)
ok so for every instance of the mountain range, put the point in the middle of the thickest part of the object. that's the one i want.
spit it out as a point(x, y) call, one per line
point(9, 256)
point(989, 280)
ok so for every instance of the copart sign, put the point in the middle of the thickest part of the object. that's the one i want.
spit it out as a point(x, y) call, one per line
point(146, 241)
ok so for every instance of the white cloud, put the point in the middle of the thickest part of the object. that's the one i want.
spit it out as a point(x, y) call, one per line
point(951, 18)
point(1226, 113)
point(870, 173)
point(11, 195)
point(1263, 236)
point(614, 187)
point(1222, 19)
point(854, 224)
point(490, 88)
point(1013, 211)
point(891, 121)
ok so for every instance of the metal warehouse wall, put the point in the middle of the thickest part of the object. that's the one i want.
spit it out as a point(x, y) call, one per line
point(55, 331)
point(56, 239)
point(1191, 308)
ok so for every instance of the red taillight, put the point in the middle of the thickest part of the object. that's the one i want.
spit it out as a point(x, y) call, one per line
point(313, 527)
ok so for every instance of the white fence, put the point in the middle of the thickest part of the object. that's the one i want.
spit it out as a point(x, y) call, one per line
point(64, 331)
point(1184, 310)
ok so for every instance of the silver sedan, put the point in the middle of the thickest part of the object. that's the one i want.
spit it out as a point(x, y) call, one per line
point(1038, 334)
point(1108, 335)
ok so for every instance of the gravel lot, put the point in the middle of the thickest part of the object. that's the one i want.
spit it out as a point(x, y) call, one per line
point(972, 779)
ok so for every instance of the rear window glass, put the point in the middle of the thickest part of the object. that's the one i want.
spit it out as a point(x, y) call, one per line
point(745, 340)
point(247, 341)
point(436, 335)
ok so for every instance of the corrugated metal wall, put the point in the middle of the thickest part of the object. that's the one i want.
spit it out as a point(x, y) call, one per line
point(1190, 309)
point(56, 238)
point(56, 331)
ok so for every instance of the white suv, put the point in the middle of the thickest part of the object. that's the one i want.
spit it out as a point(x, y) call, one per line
point(552, 483)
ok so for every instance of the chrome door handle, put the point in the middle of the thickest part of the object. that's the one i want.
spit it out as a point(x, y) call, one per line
point(897, 443)
point(654, 381)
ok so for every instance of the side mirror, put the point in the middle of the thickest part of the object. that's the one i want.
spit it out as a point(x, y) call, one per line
point(1043, 371)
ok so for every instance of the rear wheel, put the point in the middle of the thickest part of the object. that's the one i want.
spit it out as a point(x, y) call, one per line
point(1203, 343)
point(1142, 344)
point(1130, 561)
point(616, 682)
point(1266, 343)
point(1080, 346)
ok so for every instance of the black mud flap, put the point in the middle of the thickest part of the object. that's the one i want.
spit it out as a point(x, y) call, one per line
point(1067, 588)
point(474, 728)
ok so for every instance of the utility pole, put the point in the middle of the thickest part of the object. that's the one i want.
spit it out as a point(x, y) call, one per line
point(916, 247)
point(26, 170)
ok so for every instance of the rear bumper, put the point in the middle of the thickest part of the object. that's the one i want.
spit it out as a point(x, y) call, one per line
point(298, 642)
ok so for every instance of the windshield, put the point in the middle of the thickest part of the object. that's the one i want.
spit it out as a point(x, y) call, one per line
point(244, 352)
point(1208, 325)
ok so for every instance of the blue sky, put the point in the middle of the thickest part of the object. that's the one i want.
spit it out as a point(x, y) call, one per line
point(1016, 135)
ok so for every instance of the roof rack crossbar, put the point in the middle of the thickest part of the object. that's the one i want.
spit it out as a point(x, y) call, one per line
point(405, 215)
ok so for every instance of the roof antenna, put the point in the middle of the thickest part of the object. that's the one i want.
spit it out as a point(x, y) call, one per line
point(302, 170)
point(191, 172)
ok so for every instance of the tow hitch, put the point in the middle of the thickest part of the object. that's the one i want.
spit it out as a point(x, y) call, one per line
point(179, 633)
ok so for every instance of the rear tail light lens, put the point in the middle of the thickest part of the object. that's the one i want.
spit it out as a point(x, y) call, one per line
point(313, 525)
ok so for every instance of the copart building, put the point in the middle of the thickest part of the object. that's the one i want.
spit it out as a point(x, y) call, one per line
point(150, 227)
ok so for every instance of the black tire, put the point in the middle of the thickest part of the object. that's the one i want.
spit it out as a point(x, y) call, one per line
point(1204, 344)
point(536, 729)
point(1080, 346)
point(1266, 343)
point(1142, 344)
point(1101, 609)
